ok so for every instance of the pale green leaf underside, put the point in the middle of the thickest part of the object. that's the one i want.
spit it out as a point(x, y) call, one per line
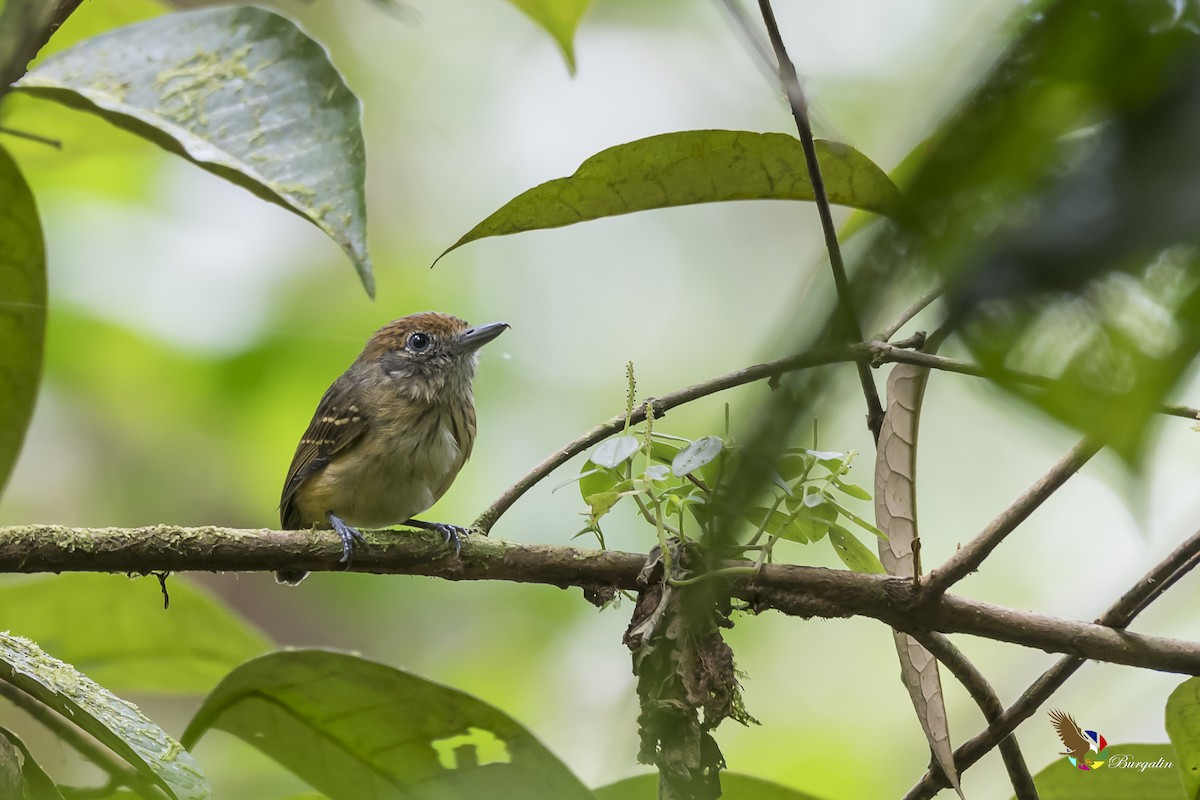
point(22, 310)
point(690, 167)
point(240, 91)
point(112, 721)
point(560, 19)
point(359, 730)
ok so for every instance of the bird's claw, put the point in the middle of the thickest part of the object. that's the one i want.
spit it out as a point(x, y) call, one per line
point(450, 533)
point(350, 537)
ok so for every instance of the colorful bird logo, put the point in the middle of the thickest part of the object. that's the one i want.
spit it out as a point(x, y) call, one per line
point(1080, 744)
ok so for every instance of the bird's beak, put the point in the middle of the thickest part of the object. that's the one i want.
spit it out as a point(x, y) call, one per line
point(476, 337)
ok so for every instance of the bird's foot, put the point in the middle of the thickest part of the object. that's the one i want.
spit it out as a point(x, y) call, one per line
point(450, 533)
point(350, 537)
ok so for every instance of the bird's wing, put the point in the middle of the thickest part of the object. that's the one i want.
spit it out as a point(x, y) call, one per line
point(337, 424)
point(1068, 731)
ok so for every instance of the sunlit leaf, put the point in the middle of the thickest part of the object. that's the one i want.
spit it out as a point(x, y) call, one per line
point(1183, 728)
point(1121, 778)
point(601, 503)
point(853, 553)
point(560, 19)
point(357, 729)
point(22, 310)
point(616, 450)
point(241, 92)
point(112, 721)
point(689, 167)
point(852, 489)
point(115, 630)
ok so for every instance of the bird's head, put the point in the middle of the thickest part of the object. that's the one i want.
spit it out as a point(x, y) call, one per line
point(429, 354)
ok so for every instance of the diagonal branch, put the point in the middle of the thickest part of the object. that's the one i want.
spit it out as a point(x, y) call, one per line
point(874, 353)
point(989, 703)
point(969, 557)
point(1119, 615)
point(794, 590)
point(795, 95)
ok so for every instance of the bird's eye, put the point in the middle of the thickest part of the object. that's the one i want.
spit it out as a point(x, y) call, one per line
point(418, 342)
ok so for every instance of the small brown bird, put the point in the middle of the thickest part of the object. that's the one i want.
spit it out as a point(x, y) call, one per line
point(1072, 737)
point(390, 434)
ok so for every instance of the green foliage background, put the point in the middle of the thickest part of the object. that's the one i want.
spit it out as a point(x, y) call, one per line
point(192, 329)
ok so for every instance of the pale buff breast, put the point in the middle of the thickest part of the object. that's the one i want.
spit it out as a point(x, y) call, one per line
point(398, 481)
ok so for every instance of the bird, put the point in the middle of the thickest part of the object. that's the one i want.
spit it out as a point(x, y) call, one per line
point(389, 435)
point(1078, 745)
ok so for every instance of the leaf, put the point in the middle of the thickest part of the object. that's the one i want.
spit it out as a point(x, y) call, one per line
point(37, 784)
point(1183, 728)
point(112, 721)
point(241, 92)
point(593, 479)
point(1132, 772)
point(798, 527)
point(734, 786)
point(696, 455)
point(657, 472)
point(896, 517)
point(356, 729)
point(689, 167)
point(12, 780)
point(852, 489)
point(560, 18)
point(853, 553)
point(115, 630)
point(601, 503)
point(617, 450)
point(22, 310)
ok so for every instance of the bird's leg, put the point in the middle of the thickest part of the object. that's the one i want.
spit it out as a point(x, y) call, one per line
point(350, 537)
point(450, 533)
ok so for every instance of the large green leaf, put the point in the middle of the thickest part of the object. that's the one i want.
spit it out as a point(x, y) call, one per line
point(689, 167)
point(22, 310)
point(240, 91)
point(112, 721)
point(560, 18)
point(359, 730)
point(1132, 772)
point(116, 631)
point(1183, 728)
point(733, 787)
point(36, 784)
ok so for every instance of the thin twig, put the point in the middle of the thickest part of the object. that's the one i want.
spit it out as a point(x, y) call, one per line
point(917, 307)
point(33, 137)
point(799, 106)
point(661, 405)
point(1119, 615)
point(968, 558)
point(989, 703)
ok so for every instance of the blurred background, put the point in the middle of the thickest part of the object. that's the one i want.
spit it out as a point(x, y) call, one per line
point(192, 329)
